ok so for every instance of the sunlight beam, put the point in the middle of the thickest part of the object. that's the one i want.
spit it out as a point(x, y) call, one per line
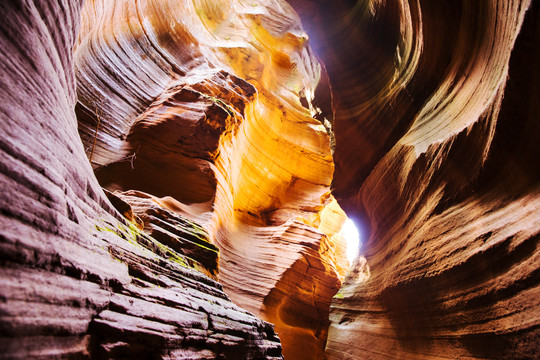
point(352, 237)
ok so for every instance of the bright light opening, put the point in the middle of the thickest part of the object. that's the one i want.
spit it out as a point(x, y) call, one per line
point(352, 238)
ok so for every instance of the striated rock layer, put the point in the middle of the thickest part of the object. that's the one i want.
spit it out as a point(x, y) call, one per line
point(222, 108)
point(437, 154)
point(213, 126)
point(77, 279)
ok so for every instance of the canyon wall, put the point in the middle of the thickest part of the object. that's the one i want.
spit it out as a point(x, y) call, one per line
point(224, 132)
point(209, 105)
point(200, 118)
point(436, 156)
point(78, 279)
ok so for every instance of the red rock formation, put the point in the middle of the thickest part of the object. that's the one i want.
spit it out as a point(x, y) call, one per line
point(174, 143)
point(439, 155)
point(79, 281)
point(213, 104)
point(171, 229)
point(217, 121)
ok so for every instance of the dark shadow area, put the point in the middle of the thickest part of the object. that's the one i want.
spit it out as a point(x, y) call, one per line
point(514, 160)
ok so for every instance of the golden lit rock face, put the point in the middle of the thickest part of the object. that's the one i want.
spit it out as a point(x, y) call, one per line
point(77, 279)
point(435, 151)
point(217, 122)
point(217, 105)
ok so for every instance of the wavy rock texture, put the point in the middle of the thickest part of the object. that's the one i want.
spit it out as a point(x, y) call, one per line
point(222, 107)
point(437, 154)
point(216, 122)
point(79, 281)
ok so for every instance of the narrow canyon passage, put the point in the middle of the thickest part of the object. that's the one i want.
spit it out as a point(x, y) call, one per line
point(233, 179)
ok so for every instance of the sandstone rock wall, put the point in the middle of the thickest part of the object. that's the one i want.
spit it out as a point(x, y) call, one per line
point(77, 279)
point(222, 130)
point(436, 155)
point(222, 107)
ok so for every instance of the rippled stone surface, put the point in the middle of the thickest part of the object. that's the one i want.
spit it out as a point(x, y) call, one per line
point(215, 126)
point(223, 107)
point(77, 279)
point(436, 154)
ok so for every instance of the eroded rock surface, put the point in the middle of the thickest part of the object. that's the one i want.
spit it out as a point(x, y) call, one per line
point(436, 155)
point(212, 124)
point(77, 279)
point(223, 107)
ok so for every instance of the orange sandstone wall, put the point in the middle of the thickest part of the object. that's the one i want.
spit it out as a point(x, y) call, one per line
point(222, 109)
point(436, 133)
point(227, 140)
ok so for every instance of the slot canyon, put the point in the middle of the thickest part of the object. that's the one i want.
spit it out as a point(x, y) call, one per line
point(180, 179)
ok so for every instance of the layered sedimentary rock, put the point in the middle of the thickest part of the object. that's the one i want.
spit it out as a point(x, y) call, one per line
point(437, 154)
point(169, 228)
point(78, 280)
point(212, 124)
point(222, 107)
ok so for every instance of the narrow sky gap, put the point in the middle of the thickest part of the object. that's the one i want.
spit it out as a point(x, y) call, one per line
point(352, 237)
